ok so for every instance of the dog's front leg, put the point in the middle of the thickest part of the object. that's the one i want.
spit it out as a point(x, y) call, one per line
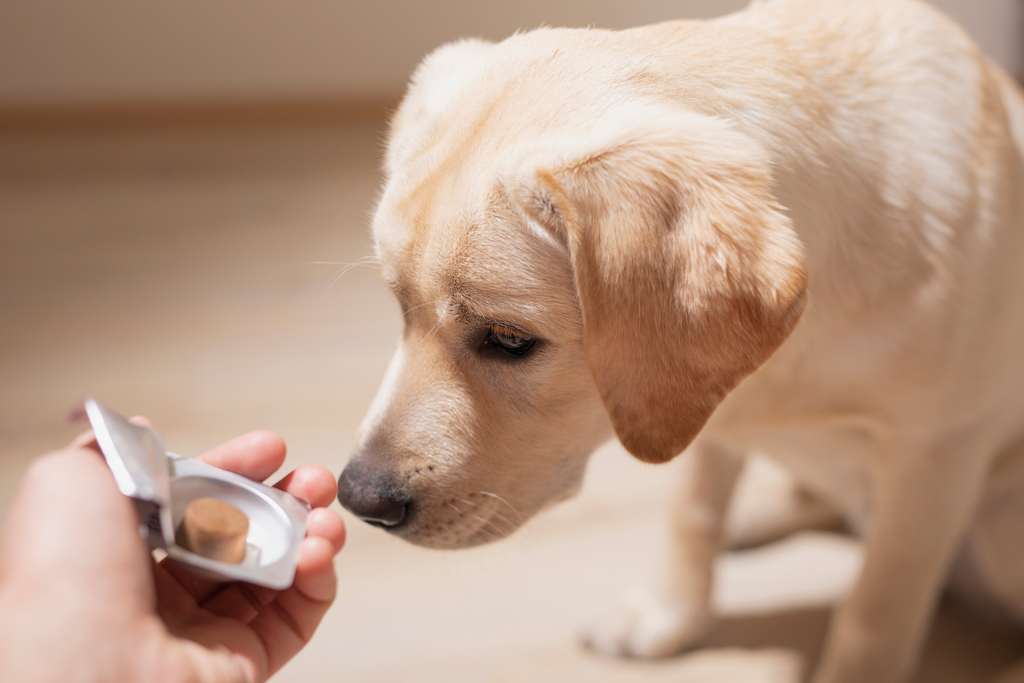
point(925, 498)
point(675, 612)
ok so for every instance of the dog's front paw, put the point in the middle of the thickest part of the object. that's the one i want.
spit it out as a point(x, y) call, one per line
point(646, 625)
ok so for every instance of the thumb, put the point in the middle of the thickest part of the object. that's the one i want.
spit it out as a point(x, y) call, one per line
point(218, 665)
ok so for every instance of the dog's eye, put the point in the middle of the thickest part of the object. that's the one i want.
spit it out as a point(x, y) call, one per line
point(511, 341)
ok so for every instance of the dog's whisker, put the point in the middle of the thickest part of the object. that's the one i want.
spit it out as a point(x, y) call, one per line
point(484, 535)
point(499, 498)
point(364, 260)
point(340, 274)
point(431, 332)
point(506, 522)
point(482, 521)
point(436, 326)
point(435, 302)
point(497, 533)
point(511, 525)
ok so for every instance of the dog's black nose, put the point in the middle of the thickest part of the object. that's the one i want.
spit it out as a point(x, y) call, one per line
point(372, 496)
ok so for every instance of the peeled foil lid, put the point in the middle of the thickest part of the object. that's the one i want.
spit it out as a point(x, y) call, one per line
point(141, 468)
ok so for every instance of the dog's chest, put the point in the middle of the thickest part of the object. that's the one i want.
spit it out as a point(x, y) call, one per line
point(830, 458)
point(818, 413)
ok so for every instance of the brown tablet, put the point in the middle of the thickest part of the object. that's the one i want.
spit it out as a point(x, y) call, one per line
point(215, 529)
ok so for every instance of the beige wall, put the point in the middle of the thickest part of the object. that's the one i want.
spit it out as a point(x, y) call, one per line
point(102, 51)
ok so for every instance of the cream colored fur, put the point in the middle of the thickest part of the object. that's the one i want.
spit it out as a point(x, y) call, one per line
point(796, 229)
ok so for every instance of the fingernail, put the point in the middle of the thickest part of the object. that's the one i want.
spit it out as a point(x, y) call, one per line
point(77, 414)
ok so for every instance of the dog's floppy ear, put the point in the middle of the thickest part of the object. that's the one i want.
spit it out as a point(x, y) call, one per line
point(688, 273)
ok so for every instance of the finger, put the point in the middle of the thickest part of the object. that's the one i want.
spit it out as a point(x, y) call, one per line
point(211, 662)
point(314, 576)
point(141, 421)
point(255, 455)
point(327, 524)
point(201, 591)
point(84, 440)
point(175, 602)
point(288, 623)
point(238, 601)
point(198, 588)
point(87, 439)
point(311, 483)
point(77, 414)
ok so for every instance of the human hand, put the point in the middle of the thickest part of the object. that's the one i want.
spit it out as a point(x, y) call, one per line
point(82, 599)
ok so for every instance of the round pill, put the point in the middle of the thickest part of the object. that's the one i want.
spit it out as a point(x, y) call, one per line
point(215, 529)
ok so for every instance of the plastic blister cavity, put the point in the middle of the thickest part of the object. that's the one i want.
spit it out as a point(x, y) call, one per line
point(162, 485)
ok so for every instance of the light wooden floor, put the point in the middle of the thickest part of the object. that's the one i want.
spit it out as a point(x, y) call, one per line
point(175, 275)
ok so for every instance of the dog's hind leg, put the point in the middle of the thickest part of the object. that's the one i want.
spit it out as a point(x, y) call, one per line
point(769, 504)
point(989, 570)
point(675, 612)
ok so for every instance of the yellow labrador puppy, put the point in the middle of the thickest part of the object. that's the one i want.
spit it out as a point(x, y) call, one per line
point(796, 229)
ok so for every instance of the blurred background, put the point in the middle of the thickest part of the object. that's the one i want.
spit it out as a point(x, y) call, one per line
point(182, 186)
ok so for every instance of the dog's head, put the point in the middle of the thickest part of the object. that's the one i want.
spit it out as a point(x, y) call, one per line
point(569, 260)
